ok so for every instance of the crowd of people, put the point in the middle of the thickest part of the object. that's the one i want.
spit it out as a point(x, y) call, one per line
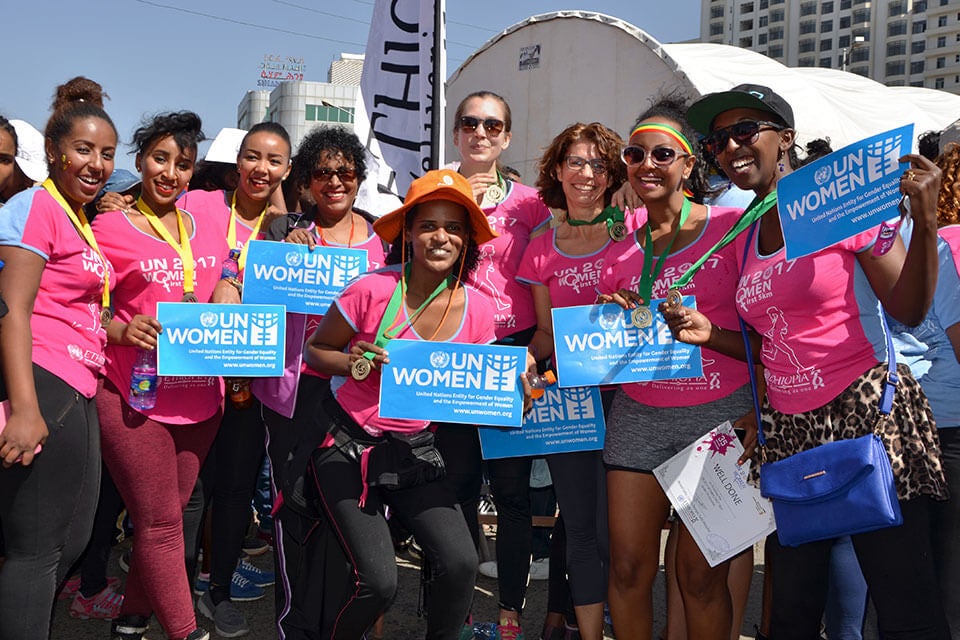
point(473, 255)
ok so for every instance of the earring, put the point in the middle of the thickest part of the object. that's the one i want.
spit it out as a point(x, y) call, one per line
point(64, 163)
point(780, 162)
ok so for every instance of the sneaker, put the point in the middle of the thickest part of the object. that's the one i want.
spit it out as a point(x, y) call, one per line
point(508, 630)
point(540, 569)
point(242, 590)
point(488, 568)
point(255, 546)
point(124, 560)
point(72, 586)
point(227, 619)
point(104, 605)
point(201, 584)
point(255, 574)
point(198, 634)
point(466, 633)
point(128, 628)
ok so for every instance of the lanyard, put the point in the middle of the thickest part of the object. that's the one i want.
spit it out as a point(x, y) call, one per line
point(232, 230)
point(82, 226)
point(753, 212)
point(182, 248)
point(650, 271)
point(361, 367)
point(612, 217)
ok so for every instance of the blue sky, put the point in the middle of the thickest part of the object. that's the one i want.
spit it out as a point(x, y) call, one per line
point(156, 55)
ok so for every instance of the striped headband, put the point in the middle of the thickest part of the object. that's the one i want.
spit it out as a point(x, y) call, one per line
point(667, 129)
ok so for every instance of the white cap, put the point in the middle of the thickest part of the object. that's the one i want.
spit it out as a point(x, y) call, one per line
point(30, 155)
point(226, 146)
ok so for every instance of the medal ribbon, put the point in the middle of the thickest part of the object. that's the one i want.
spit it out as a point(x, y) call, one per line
point(650, 271)
point(232, 230)
point(611, 215)
point(392, 312)
point(182, 248)
point(753, 212)
point(82, 226)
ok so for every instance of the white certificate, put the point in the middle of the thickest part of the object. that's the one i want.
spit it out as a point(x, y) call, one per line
point(723, 513)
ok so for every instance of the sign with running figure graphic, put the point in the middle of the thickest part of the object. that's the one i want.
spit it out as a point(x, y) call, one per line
point(236, 340)
point(304, 280)
point(561, 421)
point(453, 382)
point(607, 344)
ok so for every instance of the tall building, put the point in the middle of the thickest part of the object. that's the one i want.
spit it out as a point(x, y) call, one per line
point(301, 105)
point(896, 42)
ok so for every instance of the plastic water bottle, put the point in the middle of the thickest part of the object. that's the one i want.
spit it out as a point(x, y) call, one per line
point(230, 267)
point(539, 383)
point(143, 380)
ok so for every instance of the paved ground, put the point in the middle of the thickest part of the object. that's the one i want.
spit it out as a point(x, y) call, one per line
point(401, 621)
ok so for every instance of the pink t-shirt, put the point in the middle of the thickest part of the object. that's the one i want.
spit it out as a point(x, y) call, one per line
point(572, 280)
point(714, 287)
point(68, 338)
point(952, 235)
point(362, 304)
point(818, 318)
point(519, 214)
point(214, 206)
point(148, 272)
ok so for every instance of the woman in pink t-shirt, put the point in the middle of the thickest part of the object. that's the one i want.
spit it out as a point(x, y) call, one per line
point(55, 282)
point(435, 237)
point(330, 164)
point(817, 331)
point(162, 254)
point(579, 172)
point(650, 422)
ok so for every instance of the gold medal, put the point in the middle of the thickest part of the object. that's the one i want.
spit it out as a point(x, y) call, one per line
point(674, 299)
point(494, 194)
point(189, 297)
point(105, 317)
point(360, 369)
point(617, 231)
point(641, 317)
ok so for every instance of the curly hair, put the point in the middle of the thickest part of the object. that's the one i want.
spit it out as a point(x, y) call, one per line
point(673, 106)
point(76, 99)
point(608, 144)
point(328, 142)
point(469, 256)
point(948, 202)
point(928, 144)
point(184, 126)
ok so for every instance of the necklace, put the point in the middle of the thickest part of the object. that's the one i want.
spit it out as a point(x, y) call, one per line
point(323, 240)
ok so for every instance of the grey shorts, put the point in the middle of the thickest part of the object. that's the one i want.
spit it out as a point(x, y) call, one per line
point(640, 437)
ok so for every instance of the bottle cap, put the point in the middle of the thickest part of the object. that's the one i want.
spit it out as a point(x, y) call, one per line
point(550, 377)
point(234, 254)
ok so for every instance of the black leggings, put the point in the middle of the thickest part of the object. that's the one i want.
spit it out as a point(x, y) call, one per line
point(897, 564)
point(47, 509)
point(230, 475)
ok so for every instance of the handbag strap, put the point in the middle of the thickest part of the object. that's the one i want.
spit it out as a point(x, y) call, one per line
point(884, 406)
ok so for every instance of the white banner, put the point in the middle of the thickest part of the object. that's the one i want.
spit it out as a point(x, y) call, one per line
point(394, 117)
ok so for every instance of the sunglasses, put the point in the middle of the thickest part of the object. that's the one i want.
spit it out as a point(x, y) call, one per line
point(577, 163)
point(660, 156)
point(491, 126)
point(346, 174)
point(743, 133)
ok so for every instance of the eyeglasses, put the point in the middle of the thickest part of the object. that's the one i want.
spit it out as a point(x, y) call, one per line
point(577, 163)
point(346, 174)
point(491, 126)
point(660, 156)
point(743, 133)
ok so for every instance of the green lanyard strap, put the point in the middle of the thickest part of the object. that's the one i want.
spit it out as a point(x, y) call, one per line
point(753, 212)
point(610, 216)
point(651, 271)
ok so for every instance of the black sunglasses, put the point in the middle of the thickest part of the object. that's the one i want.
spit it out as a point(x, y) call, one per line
point(346, 174)
point(661, 156)
point(492, 126)
point(743, 133)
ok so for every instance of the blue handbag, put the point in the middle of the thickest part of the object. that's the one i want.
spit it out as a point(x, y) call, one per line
point(838, 488)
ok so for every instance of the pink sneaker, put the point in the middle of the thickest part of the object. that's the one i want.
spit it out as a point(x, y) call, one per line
point(508, 630)
point(102, 606)
point(72, 586)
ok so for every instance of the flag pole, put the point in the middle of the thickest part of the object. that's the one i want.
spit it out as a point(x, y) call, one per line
point(439, 100)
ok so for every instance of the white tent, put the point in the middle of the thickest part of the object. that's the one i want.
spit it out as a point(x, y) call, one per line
point(558, 68)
